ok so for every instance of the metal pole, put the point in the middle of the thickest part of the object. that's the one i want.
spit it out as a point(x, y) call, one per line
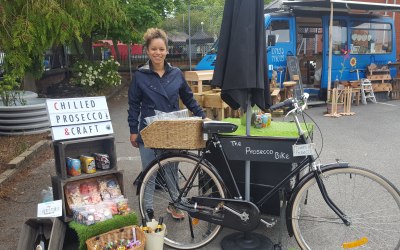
point(190, 40)
point(330, 54)
point(247, 163)
point(129, 58)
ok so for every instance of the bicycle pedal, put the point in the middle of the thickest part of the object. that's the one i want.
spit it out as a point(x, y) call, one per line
point(270, 223)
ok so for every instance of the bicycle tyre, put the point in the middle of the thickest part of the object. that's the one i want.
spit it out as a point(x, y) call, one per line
point(207, 183)
point(370, 201)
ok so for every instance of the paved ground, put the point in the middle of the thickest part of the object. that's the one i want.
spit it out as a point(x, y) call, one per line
point(370, 139)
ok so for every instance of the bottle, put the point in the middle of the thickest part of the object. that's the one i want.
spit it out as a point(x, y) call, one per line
point(144, 226)
point(41, 242)
point(159, 225)
point(336, 83)
point(47, 194)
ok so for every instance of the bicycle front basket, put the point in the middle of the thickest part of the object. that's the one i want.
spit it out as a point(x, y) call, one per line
point(174, 134)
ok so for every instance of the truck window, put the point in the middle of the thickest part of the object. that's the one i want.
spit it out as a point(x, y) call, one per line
point(279, 28)
point(339, 37)
point(371, 38)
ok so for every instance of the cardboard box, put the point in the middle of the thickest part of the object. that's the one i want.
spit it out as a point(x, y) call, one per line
point(86, 146)
point(54, 230)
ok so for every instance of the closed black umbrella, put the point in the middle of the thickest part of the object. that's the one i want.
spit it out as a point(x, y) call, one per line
point(241, 73)
point(240, 67)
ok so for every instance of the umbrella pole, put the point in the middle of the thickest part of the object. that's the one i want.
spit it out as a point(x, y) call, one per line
point(247, 163)
point(247, 240)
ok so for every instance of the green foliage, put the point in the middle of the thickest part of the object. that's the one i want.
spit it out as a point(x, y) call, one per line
point(9, 91)
point(97, 76)
point(140, 15)
point(209, 12)
point(29, 28)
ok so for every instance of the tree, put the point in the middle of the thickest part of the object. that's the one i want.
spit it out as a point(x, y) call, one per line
point(140, 15)
point(29, 28)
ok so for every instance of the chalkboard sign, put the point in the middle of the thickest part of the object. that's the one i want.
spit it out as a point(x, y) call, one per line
point(264, 149)
point(294, 69)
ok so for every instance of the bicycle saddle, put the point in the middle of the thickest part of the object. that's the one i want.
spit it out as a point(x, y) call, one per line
point(212, 127)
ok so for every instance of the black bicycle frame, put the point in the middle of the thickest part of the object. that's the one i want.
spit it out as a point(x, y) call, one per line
point(306, 161)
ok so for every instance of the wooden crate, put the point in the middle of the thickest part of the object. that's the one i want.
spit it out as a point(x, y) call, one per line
point(213, 100)
point(198, 97)
point(59, 185)
point(214, 105)
point(86, 146)
point(382, 87)
point(381, 78)
point(195, 88)
point(53, 229)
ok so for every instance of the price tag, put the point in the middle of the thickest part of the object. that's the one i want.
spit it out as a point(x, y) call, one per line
point(50, 209)
point(303, 149)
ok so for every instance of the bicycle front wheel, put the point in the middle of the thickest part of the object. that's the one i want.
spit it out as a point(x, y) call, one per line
point(159, 189)
point(370, 202)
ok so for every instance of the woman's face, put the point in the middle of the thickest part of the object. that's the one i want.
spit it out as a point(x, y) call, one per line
point(157, 51)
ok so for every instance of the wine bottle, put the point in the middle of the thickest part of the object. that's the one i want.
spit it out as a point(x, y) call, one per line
point(144, 226)
point(159, 226)
point(41, 242)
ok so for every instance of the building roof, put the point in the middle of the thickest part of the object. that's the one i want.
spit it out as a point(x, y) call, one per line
point(200, 37)
point(176, 37)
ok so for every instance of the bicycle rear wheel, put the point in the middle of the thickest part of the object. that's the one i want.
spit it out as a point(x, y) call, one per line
point(371, 203)
point(175, 171)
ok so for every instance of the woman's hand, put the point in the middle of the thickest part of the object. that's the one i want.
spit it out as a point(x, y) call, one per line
point(133, 140)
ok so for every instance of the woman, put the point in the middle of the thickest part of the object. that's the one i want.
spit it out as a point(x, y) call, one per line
point(157, 86)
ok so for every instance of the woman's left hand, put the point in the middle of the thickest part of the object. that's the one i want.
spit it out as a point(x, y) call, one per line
point(133, 140)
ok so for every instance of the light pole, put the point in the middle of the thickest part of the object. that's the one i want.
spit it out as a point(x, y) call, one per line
point(190, 39)
point(202, 26)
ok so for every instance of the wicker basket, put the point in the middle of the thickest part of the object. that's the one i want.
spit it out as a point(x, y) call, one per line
point(174, 134)
point(97, 242)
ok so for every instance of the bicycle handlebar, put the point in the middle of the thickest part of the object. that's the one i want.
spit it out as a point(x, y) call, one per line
point(287, 103)
point(291, 102)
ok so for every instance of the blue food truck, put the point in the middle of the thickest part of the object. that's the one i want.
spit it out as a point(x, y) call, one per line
point(358, 40)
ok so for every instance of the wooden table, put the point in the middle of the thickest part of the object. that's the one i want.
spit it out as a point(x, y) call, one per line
point(289, 86)
point(197, 77)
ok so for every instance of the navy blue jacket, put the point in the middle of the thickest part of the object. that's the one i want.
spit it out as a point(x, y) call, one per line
point(148, 92)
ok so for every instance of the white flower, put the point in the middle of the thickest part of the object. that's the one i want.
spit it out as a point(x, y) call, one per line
point(79, 74)
point(80, 66)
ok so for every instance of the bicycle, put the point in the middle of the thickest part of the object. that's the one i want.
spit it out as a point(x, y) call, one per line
point(336, 205)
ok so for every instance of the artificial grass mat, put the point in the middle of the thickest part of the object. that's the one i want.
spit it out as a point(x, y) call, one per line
point(276, 129)
point(86, 232)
